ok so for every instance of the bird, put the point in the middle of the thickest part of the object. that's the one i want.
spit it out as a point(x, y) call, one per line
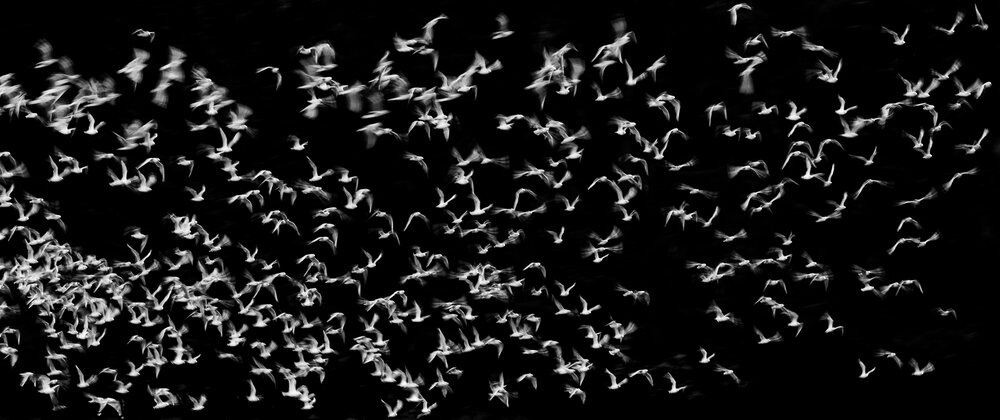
point(275, 71)
point(142, 33)
point(980, 24)
point(503, 29)
point(829, 324)
point(864, 372)
point(736, 8)
point(897, 39)
point(959, 17)
point(920, 371)
point(728, 372)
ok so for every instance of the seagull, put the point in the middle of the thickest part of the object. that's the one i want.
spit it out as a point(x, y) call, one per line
point(959, 17)
point(980, 24)
point(503, 29)
point(734, 9)
point(920, 371)
point(864, 373)
point(673, 384)
point(142, 33)
point(705, 357)
point(275, 71)
point(897, 39)
point(829, 324)
point(890, 355)
point(727, 372)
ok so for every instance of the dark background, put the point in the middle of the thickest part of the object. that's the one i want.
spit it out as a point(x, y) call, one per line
point(232, 39)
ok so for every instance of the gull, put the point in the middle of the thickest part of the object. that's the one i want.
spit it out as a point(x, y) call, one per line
point(926, 152)
point(442, 203)
point(794, 113)
point(844, 109)
point(864, 373)
point(198, 404)
point(563, 291)
point(94, 125)
point(975, 89)
point(692, 190)
point(416, 158)
point(947, 312)
point(227, 143)
point(734, 9)
point(974, 147)
point(557, 238)
point(842, 205)
point(631, 79)
point(721, 106)
point(959, 17)
point(359, 195)
point(897, 39)
point(763, 109)
point(866, 183)
point(931, 194)
point(750, 135)
point(415, 215)
point(947, 185)
point(503, 29)
point(391, 411)
point(900, 242)
point(908, 220)
point(142, 33)
point(585, 308)
point(797, 125)
point(980, 24)
point(84, 382)
point(57, 175)
point(777, 33)
point(775, 282)
point(636, 295)
point(923, 242)
point(673, 384)
point(729, 238)
point(728, 372)
point(955, 66)
point(809, 46)
point(757, 167)
point(477, 210)
point(275, 71)
point(920, 371)
point(719, 315)
point(754, 41)
point(676, 167)
point(615, 384)
point(135, 67)
point(623, 198)
point(829, 324)
point(103, 402)
point(574, 391)
point(765, 340)
point(866, 161)
point(889, 355)
point(827, 74)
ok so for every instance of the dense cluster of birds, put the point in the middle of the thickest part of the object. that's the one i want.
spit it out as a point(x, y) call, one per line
point(312, 289)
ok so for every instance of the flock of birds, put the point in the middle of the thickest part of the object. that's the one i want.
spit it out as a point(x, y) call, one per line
point(286, 319)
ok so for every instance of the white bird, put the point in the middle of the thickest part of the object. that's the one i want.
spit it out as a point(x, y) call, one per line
point(829, 324)
point(734, 9)
point(864, 373)
point(897, 39)
point(275, 71)
point(959, 17)
point(980, 24)
point(920, 371)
